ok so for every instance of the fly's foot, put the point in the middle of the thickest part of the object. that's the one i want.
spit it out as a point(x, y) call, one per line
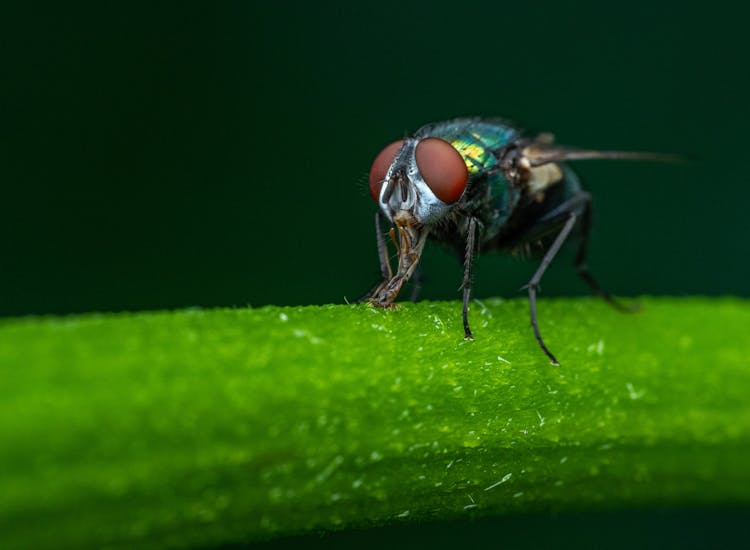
point(383, 305)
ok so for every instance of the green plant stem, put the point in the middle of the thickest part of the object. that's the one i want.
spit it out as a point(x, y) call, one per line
point(195, 427)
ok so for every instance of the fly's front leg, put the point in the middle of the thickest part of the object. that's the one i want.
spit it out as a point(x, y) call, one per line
point(385, 264)
point(466, 283)
point(534, 282)
point(411, 241)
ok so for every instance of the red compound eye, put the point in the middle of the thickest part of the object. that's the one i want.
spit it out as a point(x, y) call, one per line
point(442, 168)
point(380, 167)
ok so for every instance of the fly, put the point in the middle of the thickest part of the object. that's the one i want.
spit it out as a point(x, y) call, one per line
point(481, 184)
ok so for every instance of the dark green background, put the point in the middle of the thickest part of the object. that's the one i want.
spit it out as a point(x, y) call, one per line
point(198, 154)
point(210, 154)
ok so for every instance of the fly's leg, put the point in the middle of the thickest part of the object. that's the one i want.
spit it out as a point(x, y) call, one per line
point(466, 283)
point(583, 272)
point(417, 280)
point(385, 264)
point(411, 243)
point(534, 282)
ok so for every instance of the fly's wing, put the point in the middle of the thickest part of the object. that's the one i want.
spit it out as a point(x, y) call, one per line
point(544, 152)
point(535, 163)
point(537, 166)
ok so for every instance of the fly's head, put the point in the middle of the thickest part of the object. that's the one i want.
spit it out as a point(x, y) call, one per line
point(415, 183)
point(418, 180)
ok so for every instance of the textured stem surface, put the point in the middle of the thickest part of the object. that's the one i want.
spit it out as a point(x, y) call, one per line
point(194, 428)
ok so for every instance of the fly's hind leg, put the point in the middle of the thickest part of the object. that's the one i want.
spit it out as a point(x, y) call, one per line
point(583, 272)
point(534, 282)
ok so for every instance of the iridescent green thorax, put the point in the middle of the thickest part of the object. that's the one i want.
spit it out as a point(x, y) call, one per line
point(488, 190)
point(474, 140)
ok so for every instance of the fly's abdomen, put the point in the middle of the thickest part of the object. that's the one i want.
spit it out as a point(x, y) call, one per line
point(539, 216)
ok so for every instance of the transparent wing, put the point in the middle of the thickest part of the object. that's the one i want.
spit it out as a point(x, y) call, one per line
point(543, 152)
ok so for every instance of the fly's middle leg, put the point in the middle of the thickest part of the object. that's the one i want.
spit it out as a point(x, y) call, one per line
point(466, 283)
point(417, 279)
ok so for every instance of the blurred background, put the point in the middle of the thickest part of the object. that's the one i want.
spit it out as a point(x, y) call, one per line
point(180, 154)
point(215, 154)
